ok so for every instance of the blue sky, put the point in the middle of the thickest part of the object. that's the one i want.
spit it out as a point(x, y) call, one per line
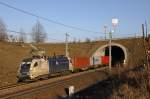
point(87, 14)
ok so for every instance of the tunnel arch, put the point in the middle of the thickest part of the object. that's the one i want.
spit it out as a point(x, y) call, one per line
point(119, 53)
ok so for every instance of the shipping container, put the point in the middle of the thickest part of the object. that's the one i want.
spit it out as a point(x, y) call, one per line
point(105, 60)
point(96, 60)
point(81, 62)
point(58, 64)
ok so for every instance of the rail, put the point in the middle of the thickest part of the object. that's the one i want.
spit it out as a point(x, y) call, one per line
point(19, 90)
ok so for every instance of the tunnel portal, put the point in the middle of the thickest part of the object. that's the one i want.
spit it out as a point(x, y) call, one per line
point(118, 53)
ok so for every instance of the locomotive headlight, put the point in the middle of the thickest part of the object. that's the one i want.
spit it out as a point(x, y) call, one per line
point(31, 76)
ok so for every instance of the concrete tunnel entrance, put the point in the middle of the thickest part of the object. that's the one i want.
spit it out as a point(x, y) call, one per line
point(119, 53)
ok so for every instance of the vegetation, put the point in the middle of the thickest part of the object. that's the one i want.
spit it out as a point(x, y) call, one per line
point(3, 33)
point(22, 36)
point(38, 34)
point(134, 84)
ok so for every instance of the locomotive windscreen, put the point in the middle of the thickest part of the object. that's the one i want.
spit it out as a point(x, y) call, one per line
point(25, 67)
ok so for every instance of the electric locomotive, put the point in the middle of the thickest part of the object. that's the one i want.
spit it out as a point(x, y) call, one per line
point(38, 67)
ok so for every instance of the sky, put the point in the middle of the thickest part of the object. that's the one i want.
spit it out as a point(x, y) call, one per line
point(91, 15)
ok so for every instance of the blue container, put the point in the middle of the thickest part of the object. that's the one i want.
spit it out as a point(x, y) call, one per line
point(58, 64)
point(96, 60)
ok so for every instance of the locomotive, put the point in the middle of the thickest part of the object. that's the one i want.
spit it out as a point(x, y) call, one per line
point(38, 67)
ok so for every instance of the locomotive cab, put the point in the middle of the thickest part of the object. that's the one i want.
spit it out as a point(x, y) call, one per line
point(24, 69)
point(32, 68)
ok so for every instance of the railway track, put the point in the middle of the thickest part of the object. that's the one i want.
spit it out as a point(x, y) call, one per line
point(34, 89)
point(21, 89)
point(11, 85)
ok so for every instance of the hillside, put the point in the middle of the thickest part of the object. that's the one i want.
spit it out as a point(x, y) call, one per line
point(12, 54)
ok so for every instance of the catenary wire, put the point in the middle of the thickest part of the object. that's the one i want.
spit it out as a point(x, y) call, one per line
point(46, 19)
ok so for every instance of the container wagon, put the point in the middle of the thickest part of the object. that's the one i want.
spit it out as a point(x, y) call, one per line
point(105, 60)
point(39, 67)
point(58, 64)
point(81, 63)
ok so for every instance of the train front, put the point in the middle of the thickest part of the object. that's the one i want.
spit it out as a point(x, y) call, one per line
point(24, 70)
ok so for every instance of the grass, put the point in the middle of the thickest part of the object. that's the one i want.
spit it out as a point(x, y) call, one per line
point(134, 84)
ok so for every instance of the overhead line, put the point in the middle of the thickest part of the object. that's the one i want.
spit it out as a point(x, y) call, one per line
point(29, 34)
point(17, 32)
point(46, 19)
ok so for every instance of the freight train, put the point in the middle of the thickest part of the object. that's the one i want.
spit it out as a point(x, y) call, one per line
point(39, 67)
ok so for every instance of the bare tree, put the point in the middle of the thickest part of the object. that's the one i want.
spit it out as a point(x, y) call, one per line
point(87, 40)
point(3, 33)
point(74, 40)
point(10, 38)
point(79, 41)
point(38, 34)
point(22, 36)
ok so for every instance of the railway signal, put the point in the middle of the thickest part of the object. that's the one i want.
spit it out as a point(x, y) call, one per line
point(105, 30)
point(114, 24)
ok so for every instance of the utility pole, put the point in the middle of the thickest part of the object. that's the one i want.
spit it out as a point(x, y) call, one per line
point(67, 53)
point(143, 31)
point(105, 30)
point(114, 24)
point(135, 35)
point(110, 37)
point(146, 29)
point(145, 43)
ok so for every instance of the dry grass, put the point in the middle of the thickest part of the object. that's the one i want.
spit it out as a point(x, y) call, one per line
point(12, 54)
point(136, 85)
